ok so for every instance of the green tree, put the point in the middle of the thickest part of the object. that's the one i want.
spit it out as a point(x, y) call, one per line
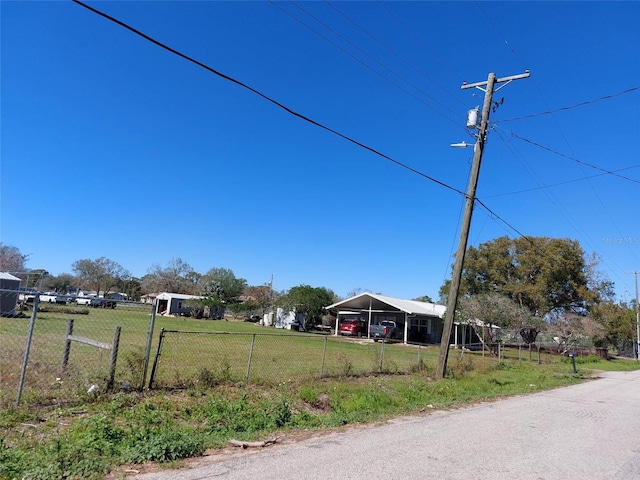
point(619, 322)
point(37, 278)
point(223, 283)
point(545, 275)
point(131, 287)
point(100, 274)
point(424, 298)
point(62, 283)
point(308, 301)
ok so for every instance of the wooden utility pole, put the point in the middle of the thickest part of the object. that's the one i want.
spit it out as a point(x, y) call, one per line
point(468, 212)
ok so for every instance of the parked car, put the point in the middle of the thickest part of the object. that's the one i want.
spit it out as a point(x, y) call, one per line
point(103, 303)
point(27, 295)
point(52, 297)
point(385, 329)
point(83, 301)
point(353, 327)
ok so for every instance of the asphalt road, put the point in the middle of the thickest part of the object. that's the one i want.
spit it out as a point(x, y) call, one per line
point(589, 431)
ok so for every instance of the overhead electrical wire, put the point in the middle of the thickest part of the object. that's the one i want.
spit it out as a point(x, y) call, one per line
point(265, 97)
point(570, 221)
point(559, 184)
point(380, 42)
point(289, 110)
point(369, 67)
point(513, 51)
point(570, 107)
point(595, 192)
point(595, 167)
point(420, 41)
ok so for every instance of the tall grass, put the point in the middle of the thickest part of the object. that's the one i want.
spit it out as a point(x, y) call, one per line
point(88, 440)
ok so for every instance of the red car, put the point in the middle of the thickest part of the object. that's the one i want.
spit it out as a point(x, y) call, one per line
point(353, 328)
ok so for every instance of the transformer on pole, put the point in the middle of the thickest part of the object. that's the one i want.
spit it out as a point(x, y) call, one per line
point(472, 121)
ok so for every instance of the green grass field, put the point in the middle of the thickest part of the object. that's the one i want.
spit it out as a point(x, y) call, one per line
point(61, 431)
point(211, 351)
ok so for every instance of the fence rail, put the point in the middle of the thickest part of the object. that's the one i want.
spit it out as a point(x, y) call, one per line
point(188, 358)
point(59, 351)
point(41, 361)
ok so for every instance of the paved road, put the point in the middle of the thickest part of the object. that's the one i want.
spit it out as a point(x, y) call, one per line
point(589, 431)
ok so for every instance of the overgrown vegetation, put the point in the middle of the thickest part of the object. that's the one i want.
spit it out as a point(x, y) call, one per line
point(88, 439)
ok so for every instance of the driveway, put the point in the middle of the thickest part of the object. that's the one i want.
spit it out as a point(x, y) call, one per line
point(589, 431)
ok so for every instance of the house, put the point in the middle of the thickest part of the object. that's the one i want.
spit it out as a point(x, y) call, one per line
point(420, 322)
point(10, 287)
point(174, 303)
point(148, 298)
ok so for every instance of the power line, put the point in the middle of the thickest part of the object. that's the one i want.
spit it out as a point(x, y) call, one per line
point(380, 42)
point(500, 34)
point(595, 167)
point(558, 184)
point(581, 104)
point(498, 217)
point(414, 35)
point(287, 109)
point(570, 221)
point(363, 63)
point(264, 96)
point(594, 190)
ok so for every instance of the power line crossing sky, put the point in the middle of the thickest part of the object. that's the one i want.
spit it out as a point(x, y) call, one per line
point(113, 146)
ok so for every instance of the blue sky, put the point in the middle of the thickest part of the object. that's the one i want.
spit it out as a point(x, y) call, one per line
point(112, 146)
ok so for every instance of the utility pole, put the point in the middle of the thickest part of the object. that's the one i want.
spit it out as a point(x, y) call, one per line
point(637, 349)
point(478, 148)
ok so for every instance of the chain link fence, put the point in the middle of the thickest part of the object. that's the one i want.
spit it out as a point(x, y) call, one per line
point(56, 348)
point(190, 358)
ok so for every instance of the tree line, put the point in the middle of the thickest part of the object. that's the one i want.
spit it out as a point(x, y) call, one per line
point(526, 284)
point(218, 288)
point(541, 284)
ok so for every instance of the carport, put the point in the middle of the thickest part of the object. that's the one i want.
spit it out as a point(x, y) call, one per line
point(420, 321)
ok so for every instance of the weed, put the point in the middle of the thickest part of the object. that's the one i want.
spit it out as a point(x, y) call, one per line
point(134, 363)
point(110, 430)
point(163, 445)
point(583, 359)
point(281, 413)
point(308, 393)
point(206, 378)
point(461, 366)
point(346, 365)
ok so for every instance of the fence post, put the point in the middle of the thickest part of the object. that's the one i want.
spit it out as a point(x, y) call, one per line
point(419, 352)
point(147, 352)
point(67, 344)
point(114, 358)
point(253, 341)
point(381, 356)
point(155, 360)
point(27, 347)
point(324, 356)
point(539, 360)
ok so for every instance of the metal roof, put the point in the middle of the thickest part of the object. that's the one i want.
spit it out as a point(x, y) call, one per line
point(8, 276)
point(179, 296)
point(372, 301)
